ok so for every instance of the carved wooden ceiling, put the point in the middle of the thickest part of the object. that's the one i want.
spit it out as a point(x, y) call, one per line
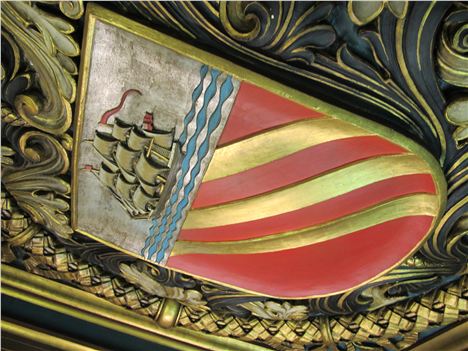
point(289, 175)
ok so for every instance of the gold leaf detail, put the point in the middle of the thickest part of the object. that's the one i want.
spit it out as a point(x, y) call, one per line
point(72, 9)
point(45, 41)
point(363, 12)
point(35, 183)
point(148, 283)
point(277, 311)
point(398, 8)
point(451, 55)
point(238, 24)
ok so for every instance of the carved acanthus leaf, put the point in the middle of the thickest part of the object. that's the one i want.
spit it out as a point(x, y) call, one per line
point(277, 311)
point(34, 178)
point(147, 282)
point(45, 41)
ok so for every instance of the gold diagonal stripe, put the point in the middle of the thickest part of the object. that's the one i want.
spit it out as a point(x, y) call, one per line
point(413, 205)
point(277, 143)
point(297, 196)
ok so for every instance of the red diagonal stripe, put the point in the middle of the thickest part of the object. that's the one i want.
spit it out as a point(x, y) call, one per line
point(292, 169)
point(256, 109)
point(322, 268)
point(337, 207)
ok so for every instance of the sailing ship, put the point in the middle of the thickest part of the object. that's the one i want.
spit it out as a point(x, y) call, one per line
point(136, 161)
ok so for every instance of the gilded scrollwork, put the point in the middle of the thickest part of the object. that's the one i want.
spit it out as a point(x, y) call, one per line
point(453, 48)
point(17, 226)
point(45, 41)
point(452, 60)
point(448, 243)
point(393, 327)
point(72, 9)
point(272, 310)
point(142, 277)
point(37, 90)
point(456, 114)
point(379, 55)
point(362, 13)
point(279, 28)
point(35, 180)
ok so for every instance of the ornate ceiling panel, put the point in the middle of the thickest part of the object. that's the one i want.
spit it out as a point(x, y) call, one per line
point(292, 175)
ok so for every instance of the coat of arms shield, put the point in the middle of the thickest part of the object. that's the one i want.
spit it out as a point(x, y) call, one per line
point(191, 162)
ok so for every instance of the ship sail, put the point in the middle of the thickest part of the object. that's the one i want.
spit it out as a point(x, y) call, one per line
point(107, 177)
point(124, 188)
point(136, 163)
point(110, 164)
point(148, 169)
point(151, 189)
point(126, 157)
point(143, 201)
point(121, 129)
point(104, 144)
point(138, 140)
point(162, 138)
point(129, 177)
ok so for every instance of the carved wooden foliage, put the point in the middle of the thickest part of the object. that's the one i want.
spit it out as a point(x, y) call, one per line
point(401, 64)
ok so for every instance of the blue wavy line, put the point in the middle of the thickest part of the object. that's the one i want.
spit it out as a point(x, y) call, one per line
point(187, 119)
point(215, 119)
point(195, 95)
point(191, 147)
